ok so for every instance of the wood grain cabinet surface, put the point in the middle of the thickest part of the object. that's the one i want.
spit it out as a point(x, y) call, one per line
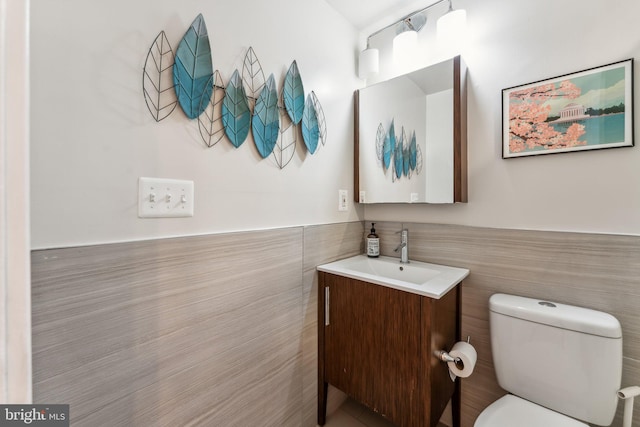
point(377, 345)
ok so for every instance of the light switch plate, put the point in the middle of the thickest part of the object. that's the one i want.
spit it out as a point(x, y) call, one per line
point(342, 200)
point(165, 198)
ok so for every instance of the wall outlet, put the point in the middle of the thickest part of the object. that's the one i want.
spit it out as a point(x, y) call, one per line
point(165, 198)
point(342, 200)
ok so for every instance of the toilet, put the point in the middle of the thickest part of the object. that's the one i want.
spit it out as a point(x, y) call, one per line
point(561, 365)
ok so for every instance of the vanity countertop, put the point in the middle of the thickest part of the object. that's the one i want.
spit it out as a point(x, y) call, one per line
point(430, 280)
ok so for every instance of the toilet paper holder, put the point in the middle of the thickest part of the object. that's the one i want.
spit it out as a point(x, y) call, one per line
point(444, 356)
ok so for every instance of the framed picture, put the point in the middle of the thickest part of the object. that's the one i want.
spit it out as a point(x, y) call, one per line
point(587, 110)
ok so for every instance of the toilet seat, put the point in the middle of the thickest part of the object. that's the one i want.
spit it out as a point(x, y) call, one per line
point(510, 410)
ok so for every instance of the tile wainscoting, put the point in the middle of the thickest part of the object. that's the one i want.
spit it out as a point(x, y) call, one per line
point(208, 330)
point(221, 329)
point(597, 271)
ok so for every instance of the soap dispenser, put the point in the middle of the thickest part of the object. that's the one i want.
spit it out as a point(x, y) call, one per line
point(373, 243)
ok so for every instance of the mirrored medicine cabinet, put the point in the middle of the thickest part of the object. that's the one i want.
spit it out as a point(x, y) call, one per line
point(411, 137)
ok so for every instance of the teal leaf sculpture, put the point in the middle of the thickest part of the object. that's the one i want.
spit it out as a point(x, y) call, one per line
point(236, 117)
point(398, 160)
point(193, 69)
point(322, 122)
point(310, 130)
point(405, 161)
point(266, 118)
point(389, 146)
point(413, 152)
point(157, 83)
point(405, 153)
point(293, 94)
point(210, 121)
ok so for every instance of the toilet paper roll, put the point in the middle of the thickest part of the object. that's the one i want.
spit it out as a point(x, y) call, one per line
point(466, 357)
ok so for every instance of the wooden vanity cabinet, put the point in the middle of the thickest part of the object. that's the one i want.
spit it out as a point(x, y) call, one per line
point(376, 344)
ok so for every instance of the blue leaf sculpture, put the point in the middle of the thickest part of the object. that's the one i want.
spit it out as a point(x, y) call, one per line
point(389, 146)
point(310, 129)
point(413, 152)
point(407, 168)
point(266, 118)
point(293, 93)
point(236, 117)
point(398, 160)
point(192, 69)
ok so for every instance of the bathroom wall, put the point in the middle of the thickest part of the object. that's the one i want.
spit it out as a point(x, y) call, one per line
point(597, 271)
point(92, 136)
point(141, 327)
point(512, 43)
point(205, 330)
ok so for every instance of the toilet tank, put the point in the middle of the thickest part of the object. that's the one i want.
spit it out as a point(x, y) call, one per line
point(568, 359)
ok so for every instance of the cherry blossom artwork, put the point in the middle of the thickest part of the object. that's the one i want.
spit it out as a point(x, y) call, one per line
point(586, 110)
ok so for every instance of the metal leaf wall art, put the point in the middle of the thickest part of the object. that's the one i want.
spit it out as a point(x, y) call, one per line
point(310, 130)
point(236, 117)
point(294, 93)
point(380, 137)
point(286, 145)
point(413, 151)
point(157, 79)
point(266, 119)
point(210, 121)
point(403, 155)
point(193, 69)
point(247, 103)
point(389, 146)
point(322, 122)
point(252, 76)
point(398, 161)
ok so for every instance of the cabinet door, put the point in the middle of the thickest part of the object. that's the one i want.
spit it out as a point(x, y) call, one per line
point(372, 347)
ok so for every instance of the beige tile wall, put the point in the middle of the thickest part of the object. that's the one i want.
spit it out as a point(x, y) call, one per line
point(590, 270)
point(211, 330)
point(222, 329)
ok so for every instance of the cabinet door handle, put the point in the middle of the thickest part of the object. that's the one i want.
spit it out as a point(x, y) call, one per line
point(326, 306)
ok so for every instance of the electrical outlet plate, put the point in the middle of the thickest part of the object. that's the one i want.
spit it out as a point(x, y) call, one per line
point(165, 198)
point(342, 200)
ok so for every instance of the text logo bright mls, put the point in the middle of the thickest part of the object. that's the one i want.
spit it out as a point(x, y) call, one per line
point(34, 415)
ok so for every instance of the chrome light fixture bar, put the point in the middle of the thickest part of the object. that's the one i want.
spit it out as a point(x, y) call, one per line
point(407, 34)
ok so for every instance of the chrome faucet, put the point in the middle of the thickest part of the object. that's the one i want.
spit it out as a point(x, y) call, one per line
point(403, 247)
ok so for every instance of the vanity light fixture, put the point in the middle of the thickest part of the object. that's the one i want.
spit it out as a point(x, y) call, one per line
point(368, 62)
point(451, 26)
point(405, 41)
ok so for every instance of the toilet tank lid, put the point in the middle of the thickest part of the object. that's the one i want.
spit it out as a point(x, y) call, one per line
point(563, 316)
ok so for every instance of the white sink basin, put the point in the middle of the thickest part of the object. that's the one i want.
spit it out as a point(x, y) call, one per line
point(422, 278)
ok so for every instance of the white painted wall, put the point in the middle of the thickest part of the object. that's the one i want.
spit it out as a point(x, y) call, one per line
point(512, 43)
point(92, 136)
point(15, 260)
